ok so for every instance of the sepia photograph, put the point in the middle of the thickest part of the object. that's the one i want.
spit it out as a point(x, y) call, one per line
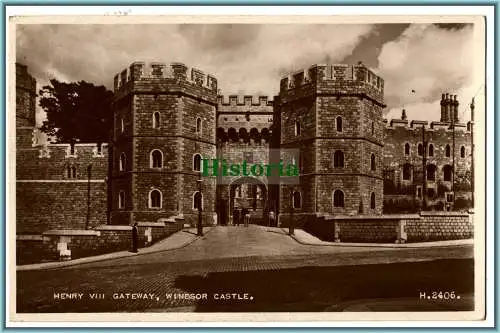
point(246, 169)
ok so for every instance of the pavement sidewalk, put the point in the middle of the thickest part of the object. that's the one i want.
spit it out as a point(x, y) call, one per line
point(305, 238)
point(175, 241)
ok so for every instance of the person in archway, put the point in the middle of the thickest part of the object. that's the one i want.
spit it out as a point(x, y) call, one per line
point(272, 217)
point(135, 237)
point(236, 216)
point(246, 215)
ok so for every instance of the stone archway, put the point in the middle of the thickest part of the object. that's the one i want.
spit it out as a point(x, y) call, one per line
point(250, 193)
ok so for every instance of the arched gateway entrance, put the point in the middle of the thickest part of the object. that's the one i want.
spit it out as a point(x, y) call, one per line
point(250, 193)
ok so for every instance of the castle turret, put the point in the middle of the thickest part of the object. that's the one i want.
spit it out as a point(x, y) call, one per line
point(164, 125)
point(333, 115)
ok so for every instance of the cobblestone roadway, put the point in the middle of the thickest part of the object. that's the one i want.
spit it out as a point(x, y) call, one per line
point(280, 275)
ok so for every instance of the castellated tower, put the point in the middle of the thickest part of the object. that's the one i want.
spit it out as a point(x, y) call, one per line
point(164, 124)
point(333, 114)
point(25, 106)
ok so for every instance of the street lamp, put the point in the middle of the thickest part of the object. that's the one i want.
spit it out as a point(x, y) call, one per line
point(199, 225)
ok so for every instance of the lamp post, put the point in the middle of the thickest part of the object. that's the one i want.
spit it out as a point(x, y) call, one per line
point(199, 225)
point(291, 230)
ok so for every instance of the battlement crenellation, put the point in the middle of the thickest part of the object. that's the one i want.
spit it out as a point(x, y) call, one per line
point(158, 70)
point(248, 100)
point(334, 72)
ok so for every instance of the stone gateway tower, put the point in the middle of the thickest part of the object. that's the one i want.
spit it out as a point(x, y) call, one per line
point(164, 124)
point(333, 114)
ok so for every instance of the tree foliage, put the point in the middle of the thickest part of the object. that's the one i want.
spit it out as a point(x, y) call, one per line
point(76, 111)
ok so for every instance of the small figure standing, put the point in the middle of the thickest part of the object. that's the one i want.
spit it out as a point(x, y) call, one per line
point(135, 237)
point(246, 215)
point(236, 216)
point(271, 218)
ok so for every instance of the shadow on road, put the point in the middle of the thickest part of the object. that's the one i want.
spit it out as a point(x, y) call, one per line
point(311, 289)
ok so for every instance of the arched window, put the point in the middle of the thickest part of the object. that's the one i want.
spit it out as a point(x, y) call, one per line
point(156, 120)
point(339, 124)
point(462, 152)
point(448, 151)
point(338, 159)
point(123, 162)
point(197, 162)
point(71, 172)
point(431, 172)
point(297, 200)
point(431, 150)
point(197, 201)
point(407, 148)
point(155, 199)
point(407, 172)
point(420, 150)
point(121, 199)
point(372, 201)
point(297, 128)
point(447, 173)
point(338, 198)
point(198, 125)
point(156, 159)
point(373, 165)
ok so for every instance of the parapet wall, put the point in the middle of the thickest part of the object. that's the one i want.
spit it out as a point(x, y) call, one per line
point(162, 73)
point(246, 100)
point(433, 125)
point(335, 79)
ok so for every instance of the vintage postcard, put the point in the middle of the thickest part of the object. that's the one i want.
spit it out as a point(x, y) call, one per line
point(253, 169)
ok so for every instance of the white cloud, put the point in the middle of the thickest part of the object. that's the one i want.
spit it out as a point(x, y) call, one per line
point(430, 61)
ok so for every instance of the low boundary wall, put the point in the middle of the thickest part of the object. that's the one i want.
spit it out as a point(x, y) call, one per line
point(426, 226)
point(69, 244)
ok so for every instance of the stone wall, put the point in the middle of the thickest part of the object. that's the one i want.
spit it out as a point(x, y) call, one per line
point(65, 244)
point(426, 226)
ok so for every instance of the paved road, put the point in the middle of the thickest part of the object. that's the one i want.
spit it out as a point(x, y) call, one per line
point(260, 270)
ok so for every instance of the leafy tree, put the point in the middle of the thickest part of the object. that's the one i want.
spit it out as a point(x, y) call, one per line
point(76, 111)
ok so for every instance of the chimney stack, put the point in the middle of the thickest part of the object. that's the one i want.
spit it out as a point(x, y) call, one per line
point(455, 109)
point(444, 116)
point(403, 115)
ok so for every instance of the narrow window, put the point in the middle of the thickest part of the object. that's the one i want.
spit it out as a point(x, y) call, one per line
point(121, 199)
point(198, 201)
point(297, 128)
point(156, 120)
point(407, 149)
point(155, 199)
point(198, 125)
point(338, 159)
point(156, 159)
point(420, 150)
point(373, 128)
point(447, 173)
point(373, 165)
point(372, 201)
point(431, 150)
point(339, 124)
point(99, 149)
point(72, 149)
point(123, 162)
point(407, 172)
point(71, 172)
point(338, 198)
point(297, 200)
point(419, 192)
point(122, 125)
point(431, 172)
point(462, 152)
point(448, 151)
point(197, 162)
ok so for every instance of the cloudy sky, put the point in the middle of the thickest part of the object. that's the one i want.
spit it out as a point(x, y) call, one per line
point(251, 59)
